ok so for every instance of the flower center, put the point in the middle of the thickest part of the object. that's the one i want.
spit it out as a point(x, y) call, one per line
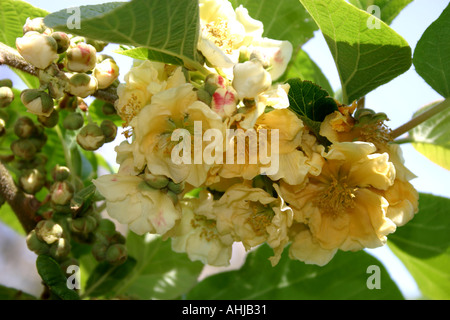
point(219, 33)
point(260, 218)
point(337, 197)
point(207, 226)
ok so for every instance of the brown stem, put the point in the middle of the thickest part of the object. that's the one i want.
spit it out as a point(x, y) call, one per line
point(24, 205)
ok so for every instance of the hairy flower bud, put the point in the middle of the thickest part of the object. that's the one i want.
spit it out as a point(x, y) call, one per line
point(106, 72)
point(37, 102)
point(85, 224)
point(6, 96)
point(35, 244)
point(97, 44)
point(73, 121)
point(82, 85)
point(91, 137)
point(250, 79)
point(61, 192)
point(62, 40)
point(24, 127)
point(49, 231)
point(81, 57)
point(38, 49)
point(224, 102)
point(116, 254)
point(36, 24)
point(109, 130)
point(51, 120)
point(31, 180)
point(23, 148)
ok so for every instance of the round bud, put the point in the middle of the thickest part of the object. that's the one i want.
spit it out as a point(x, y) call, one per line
point(37, 102)
point(109, 109)
point(73, 121)
point(24, 127)
point(31, 180)
point(49, 231)
point(154, 180)
point(99, 251)
point(39, 138)
point(97, 44)
point(213, 82)
point(36, 24)
point(175, 187)
point(38, 49)
point(60, 249)
point(81, 57)
point(116, 254)
point(36, 245)
point(106, 73)
point(61, 192)
point(85, 224)
point(109, 130)
point(51, 120)
point(6, 96)
point(23, 148)
point(60, 173)
point(6, 83)
point(82, 85)
point(62, 40)
point(91, 137)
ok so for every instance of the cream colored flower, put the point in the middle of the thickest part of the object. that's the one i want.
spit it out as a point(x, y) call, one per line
point(38, 49)
point(131, 201)
point(343, 207)
point(197, 235)
point(144, 80)
point(253, 216)
point(156, 125)
point(250, 79)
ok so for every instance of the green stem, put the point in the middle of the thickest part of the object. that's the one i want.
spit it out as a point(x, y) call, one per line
point(420, 118)
point(404, 140)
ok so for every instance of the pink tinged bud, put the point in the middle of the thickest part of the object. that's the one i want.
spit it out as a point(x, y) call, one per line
point(61, 192)
point(62, 40)
point(224, 102)
point(81, 58)
point(82, 85)
point(38, 49)
point(106, 72)
point(213, 82)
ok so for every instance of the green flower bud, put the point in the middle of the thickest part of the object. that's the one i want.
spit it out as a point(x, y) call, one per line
point(61, 192)
point(23, 148)
point(31, 180)
point(51, 120)
point(36, 245)
point(38, 49)
point(173, 196)
point(6, 96)
point(49, 231)
point(109, 109)
point(154, 180)
point(39, 138)
point(73, 121)
point(24, 127)
point(91, 137)
point(176, 187)
point(97, 44)
point(37, 102)
point(101, 57)
point(81, 57)
point(109, 130)
point(82, 85)
point(85, 224)
point(36, 24)
point(106, 72)
point(62, 40)
point(116, 254)
point(99, 251)
point(60, 249)
point(60, 173)
point(6, 83)
point(204, 96)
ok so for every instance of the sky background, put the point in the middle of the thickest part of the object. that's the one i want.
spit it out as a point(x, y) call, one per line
point(399, 99)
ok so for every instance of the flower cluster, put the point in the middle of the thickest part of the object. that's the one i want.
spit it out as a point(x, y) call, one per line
point(222, 158)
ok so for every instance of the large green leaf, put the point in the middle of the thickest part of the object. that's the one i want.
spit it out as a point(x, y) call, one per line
point(167, 27)
point(365, 58)
point(146, 54)
point(160, 273)
point(432, 137)
point(345, 277)
point(423, 245)
point(389, 9)
point(283, 20)
point(432, 54)
point(13, 14)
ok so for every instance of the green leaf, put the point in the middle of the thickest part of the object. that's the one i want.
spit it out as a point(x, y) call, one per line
point(14, 294)
point(423, 245)
point(344, 277)
point(54, 278)
point(167, 27)
point(389, 9)
point(365, 58)
point(105, 279)
point(146, 54)
point(432, 54)
point(283, 20)
point(8, 217)
point(432, 137)
point(310, 102)
point(303, 67)
point(160, 272)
